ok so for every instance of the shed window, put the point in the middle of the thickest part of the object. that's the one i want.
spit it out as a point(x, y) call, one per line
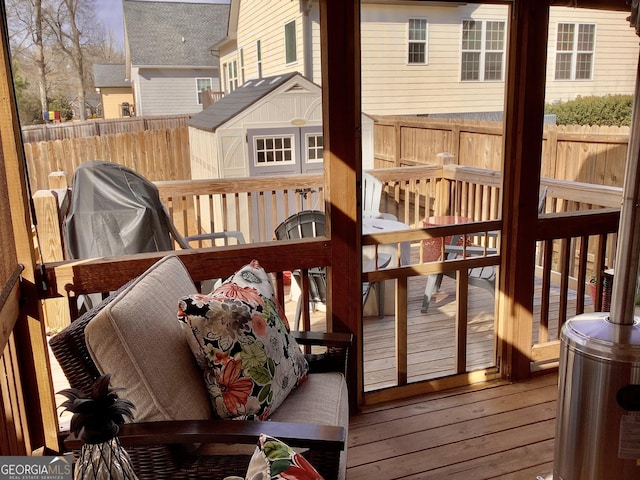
point(291, 54)
point(483, 46)
point(574, 51)
point(272, 150)
point(315, 146)
point(417, 41)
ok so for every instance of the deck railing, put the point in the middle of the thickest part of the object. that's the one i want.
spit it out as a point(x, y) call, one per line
point(574, 213)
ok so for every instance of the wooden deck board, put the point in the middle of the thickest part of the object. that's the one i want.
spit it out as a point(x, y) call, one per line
point(500, 431)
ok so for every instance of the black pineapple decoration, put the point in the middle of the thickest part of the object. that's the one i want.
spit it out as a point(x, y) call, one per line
point(96, 420)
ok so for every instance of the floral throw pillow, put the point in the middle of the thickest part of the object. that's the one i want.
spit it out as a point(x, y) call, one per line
point(273, 459)
point(241, 340)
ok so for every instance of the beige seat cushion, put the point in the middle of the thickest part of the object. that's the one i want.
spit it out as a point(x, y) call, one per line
point(138, 340)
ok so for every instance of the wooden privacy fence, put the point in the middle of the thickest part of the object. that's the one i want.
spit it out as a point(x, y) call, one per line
point(90, 128)
point(586, 154)
point(156, 154)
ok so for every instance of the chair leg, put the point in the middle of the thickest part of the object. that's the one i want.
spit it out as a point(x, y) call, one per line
point(380, 295)
point(296, 323)
point(433, 283)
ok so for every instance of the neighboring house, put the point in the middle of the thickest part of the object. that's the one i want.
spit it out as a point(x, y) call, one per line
point(115, 90)
point(168, 54)
point(92, 106)
point(420, 58)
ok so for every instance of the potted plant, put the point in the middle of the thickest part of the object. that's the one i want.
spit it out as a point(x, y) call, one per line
point(96, 420)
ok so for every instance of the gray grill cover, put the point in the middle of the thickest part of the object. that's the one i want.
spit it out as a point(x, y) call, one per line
point(114, 211)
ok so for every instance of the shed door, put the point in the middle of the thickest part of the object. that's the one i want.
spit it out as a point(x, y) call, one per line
point(287, 150)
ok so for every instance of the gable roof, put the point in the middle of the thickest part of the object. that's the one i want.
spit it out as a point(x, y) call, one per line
point(173, 33)
point(240, 99)
point(107, 75)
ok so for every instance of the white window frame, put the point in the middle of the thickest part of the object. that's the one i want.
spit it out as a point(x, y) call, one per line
point(412, 41)
point(483, 51)
point(259, 58)
point(317, 149)
point(274, 145)
point(232, 75)
point(200, 90)
point(242, 80)
point(575, 52)
point(290, 48)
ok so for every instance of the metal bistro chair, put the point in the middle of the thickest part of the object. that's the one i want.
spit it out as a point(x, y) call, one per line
point(310, 223)
point(306, 224)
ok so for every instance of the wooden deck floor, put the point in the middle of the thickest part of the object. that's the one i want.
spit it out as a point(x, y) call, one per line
point(501, 431)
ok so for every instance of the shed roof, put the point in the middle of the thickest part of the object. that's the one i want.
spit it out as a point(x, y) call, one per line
point(240, 99)
point(109, 75)
point(173, 33)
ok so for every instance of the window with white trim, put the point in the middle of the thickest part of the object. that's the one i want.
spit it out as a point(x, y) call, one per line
point(290, 47)
point(201, 85)
point(417, 48)
point(259, 57)
point(232, 76)
point(483, 49)
point(315, 147)
point(274, 150)
point(242, 66)
point(574, 51)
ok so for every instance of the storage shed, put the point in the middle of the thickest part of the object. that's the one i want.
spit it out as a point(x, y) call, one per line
point(269, 126)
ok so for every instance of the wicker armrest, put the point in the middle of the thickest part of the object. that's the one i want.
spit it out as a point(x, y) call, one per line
point(335, 359)
point(331, 438)
point(163, 449)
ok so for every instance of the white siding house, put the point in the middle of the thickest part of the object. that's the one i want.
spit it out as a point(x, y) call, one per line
point(169, 60)
point(421, 58)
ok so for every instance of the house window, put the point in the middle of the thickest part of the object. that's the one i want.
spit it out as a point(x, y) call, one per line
point(232, 75)
point(259, 57)
point(202, 84)
point(483, 46)
point(272, 150)
point(291, 54)
point(574, 51)
point(315, 147)
point(242, 65)
point(417, 41)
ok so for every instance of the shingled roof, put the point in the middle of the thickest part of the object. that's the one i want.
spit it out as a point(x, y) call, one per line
point(240, 99)
point(109, 75)
point(173, 33)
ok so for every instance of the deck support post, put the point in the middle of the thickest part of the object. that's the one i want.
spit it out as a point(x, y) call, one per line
point(523, 126)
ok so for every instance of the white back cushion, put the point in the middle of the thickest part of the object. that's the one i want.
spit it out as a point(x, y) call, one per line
point(137, 338)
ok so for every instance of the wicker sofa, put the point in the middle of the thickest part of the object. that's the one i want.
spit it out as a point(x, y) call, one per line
point(134, 335)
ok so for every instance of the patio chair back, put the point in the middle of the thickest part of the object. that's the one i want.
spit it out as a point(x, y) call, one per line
point(371, 197)
point(305, 224)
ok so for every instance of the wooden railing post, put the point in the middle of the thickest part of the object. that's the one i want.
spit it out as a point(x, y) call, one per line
point(443, 187)
point(49, 206)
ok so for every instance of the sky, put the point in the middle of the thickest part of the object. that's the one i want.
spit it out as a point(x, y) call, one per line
point(110, 13)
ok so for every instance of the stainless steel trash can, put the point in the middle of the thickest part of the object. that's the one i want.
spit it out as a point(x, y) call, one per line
point(598, 411)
